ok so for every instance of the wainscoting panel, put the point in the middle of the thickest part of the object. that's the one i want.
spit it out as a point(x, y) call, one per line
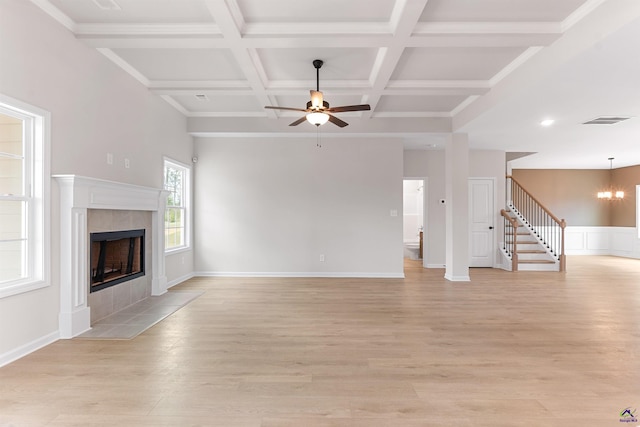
point(618, 241)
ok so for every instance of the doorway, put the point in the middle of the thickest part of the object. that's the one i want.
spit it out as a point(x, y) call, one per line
point(414, 220)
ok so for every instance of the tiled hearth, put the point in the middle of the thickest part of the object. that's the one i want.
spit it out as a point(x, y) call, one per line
point(83, 200)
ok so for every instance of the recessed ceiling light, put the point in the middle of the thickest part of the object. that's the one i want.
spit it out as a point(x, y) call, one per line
point(547, 122)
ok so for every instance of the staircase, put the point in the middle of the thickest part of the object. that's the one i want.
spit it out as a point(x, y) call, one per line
point(533, 236)
point(532, 253)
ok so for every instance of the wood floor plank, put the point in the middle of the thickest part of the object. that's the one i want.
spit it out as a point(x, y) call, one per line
point(506, 349)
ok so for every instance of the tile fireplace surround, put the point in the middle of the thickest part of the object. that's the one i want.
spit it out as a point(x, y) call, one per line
point(78, 195)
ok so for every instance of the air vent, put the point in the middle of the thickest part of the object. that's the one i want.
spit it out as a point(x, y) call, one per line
point(107, 4)
point(606, 120)
point(202, 97)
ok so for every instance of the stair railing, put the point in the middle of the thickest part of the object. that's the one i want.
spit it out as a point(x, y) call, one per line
point(535, 216)
point(510, 246)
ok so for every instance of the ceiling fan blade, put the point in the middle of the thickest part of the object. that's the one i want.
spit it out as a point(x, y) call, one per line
point(300, 120)
point(285, 108)
point(336, 121)
point(361, 107)
point(316, 99)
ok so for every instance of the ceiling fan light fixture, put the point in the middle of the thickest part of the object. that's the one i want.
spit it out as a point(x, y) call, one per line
point(317, 118)
point(316, 99)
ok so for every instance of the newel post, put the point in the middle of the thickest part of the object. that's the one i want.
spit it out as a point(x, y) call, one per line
point(563, 257)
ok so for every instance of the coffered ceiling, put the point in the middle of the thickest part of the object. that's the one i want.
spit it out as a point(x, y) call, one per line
point(491, 68)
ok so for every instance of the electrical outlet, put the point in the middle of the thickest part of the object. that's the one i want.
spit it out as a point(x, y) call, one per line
point(127, 164)
point(321, 257)
point(109, 158)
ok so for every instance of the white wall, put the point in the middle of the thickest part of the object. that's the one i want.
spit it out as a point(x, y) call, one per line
point(429, 163)
point(273, 206)
point(96, 108)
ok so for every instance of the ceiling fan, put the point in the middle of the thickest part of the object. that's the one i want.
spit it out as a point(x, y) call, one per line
point(318, 110)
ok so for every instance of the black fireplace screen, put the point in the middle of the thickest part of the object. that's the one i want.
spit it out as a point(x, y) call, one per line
point(116, 256)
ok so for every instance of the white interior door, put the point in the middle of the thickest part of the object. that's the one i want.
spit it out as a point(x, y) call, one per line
point(481, 227)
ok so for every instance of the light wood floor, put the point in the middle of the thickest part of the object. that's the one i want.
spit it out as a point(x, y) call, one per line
point(506, 349)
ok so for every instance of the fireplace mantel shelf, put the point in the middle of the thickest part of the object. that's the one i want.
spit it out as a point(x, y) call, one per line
point(77, 194)
point(93, 193)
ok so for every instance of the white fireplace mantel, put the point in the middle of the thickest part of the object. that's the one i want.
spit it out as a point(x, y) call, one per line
point(77, 195)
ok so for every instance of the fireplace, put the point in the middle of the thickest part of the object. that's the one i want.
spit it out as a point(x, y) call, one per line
point(116, 257)
point(118, 206)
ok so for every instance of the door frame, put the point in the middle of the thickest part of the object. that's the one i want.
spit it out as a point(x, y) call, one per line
point(425, 211)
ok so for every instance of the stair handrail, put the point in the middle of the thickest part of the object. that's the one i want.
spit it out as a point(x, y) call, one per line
point(544, 208)
point(511, 247)
point(558, 248)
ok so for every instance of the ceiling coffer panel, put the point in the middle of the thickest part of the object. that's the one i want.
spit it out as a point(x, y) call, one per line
point(297, 64)
point(477, 63)
point(135, 11)
point(183, 64)
point(499, 10)
point(296, 11)
point(423, 104)
point(211, 102)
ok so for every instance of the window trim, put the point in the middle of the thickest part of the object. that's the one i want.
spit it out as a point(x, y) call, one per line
point(37, 195)
point(186, 205)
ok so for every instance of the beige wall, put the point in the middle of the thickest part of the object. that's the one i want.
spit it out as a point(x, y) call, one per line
point(623, 214)
point(571, 194)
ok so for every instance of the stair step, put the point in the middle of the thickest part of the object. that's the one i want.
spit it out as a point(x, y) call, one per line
point(536, 261)
point(531, 251)
point(525, 242)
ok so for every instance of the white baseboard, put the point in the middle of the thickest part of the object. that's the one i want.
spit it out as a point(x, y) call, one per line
point(299, 274)
point(457, 278)
point(24, 350)
point(180, 279)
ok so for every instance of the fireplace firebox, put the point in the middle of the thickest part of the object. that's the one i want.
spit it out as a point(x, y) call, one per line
point(116, 257)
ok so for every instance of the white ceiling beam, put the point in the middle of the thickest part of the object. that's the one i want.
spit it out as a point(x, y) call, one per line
point(200, 84)
point(404, 18)
point(293, 41)
point(124, 65)
point(151, 42)
point(226, 15)
point(506, 28)
point(56, 14)
point(317, 29)
point(147, 30)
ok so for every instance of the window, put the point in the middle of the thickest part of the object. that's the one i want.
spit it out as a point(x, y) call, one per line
point(176, 182)
point(24, 211)
point(638, 210)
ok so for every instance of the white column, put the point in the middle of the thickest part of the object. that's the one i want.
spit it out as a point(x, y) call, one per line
point(457, 208)
point(75, 316)
point(159, 276)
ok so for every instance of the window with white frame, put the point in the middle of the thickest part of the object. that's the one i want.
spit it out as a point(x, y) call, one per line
point(24, 211)
point(638, 210)
point(176, 182)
